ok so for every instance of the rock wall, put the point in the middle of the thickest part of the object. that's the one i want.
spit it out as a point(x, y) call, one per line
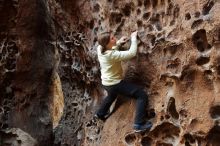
point(28, 66)
point(178, 64)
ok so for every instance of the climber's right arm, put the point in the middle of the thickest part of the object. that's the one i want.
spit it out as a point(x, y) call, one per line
point(128, 54)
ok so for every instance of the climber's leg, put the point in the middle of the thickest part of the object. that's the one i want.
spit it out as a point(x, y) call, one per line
point(141, 105)
point(107, 102)
point(130, 89)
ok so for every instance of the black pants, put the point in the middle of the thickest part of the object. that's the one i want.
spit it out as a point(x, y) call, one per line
point(127, 89)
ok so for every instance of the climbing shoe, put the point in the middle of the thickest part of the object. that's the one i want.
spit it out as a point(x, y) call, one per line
point(143, 127)
point(103, 118)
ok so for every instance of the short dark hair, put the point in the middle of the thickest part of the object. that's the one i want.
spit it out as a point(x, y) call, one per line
point(104, 38)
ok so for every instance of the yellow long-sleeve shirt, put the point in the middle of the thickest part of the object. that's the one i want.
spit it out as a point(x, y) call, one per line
point(110, 62)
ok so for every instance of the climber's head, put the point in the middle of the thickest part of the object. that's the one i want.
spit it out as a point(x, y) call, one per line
point(106, 40)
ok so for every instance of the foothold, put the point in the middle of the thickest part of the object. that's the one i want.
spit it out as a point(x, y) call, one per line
point(202, 60)
point(171, 108)
point(146, 16)
point(196, 23)
point(176, 11)
point(155, 18)
point(218, 69)
point(189, 138)
point(146, 141)
point(159, 35)
point(197, 14)
point(162, 2)
point(115, 17)
point(96, 7)
point(128, 8)
point(187, 143)
point(170, 9)
point(166, 131)
point(74, 104)
point(162, 14)
point(207, 7)
point(187, 16)
point(167, 117)
point(153, 40)
point(188, 76)
point(173, 63)
point(5, 126)
point(172, 22)
point(200, 45)
point(151, 113)
point(158, 26)
point(183, 113)
point(130, 138)
point(213, 137)
point(147, 3)
point(138, 11)
point(215, 112)
point(91, 24)
point(139, 23)
point(200, 40)
point(208, 74)
point(163, 144)
point(171, 50)
point(119, 28)
point(149, 28)
point(140, 3)
point(154, 3)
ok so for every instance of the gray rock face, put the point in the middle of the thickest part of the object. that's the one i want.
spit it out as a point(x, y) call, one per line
point(17, 137)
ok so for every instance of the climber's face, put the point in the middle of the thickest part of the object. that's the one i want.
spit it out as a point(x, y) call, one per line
point(112, 41)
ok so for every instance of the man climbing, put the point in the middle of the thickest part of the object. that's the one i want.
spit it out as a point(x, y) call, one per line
point(110, 58)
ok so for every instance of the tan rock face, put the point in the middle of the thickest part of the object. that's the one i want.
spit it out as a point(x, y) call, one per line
point(56, 101)
point(177, 63)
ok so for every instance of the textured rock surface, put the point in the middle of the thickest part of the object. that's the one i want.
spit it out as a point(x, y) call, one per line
point(16, 137)
point(28, 65)
point(178, 63)
point(56, 100)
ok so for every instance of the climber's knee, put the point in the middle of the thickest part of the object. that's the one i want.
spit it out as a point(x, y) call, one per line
point(141, 94)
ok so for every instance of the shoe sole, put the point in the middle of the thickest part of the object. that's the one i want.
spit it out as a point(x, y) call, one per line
point(112, 107)
point(139, 131)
